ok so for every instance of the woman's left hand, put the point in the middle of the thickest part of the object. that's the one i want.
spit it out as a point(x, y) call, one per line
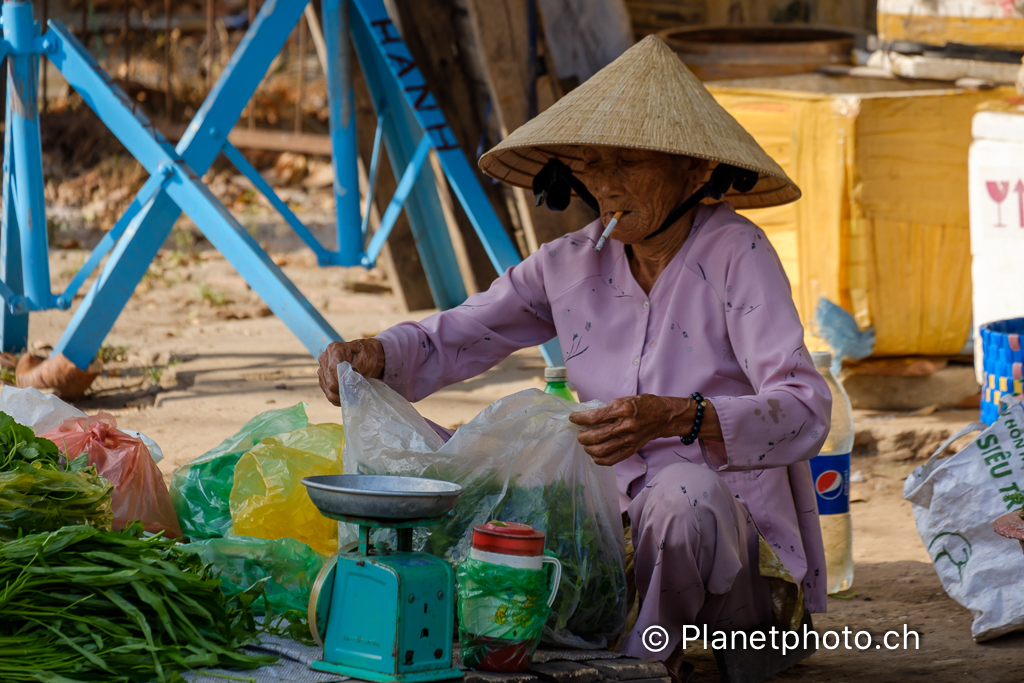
point(626, 425)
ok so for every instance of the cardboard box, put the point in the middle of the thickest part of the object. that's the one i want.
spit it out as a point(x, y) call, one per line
point(882, 228)
point(988, 23)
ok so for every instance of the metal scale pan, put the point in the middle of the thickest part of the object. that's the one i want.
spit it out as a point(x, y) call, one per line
point(380, 496)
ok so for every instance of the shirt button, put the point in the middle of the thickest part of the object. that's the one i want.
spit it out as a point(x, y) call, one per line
point(643, 468)
point(647, 304)
point(636, 361)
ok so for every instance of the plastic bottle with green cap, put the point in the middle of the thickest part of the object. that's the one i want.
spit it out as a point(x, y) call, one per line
point(556, 379)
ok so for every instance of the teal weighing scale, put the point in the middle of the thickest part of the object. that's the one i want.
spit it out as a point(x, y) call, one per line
point(384, 614)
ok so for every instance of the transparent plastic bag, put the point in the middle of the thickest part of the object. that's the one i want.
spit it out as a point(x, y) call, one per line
point(139, 489)
point(502, 612)
point(519, 461)
point(34, 500)
point(201, 489)
point(268, 499)
point(292, 567)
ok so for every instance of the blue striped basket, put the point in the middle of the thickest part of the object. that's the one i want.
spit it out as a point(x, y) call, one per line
point(1003, 364)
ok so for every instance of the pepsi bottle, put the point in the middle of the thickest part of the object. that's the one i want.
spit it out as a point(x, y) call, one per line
point(831, 472)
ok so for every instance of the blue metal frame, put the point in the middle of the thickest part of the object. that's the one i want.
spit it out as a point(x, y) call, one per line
point(410, 126)
point(378, 138)
point(401, 133)
point(185, 189)
point(342, 122)
point(380, 51)
point(402, 192)
point(250, 172)
point(146, 193)
point(29, 203)
point(199, 146)
point(14, 316)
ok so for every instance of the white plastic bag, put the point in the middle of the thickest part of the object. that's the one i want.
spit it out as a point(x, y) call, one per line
point(955, 501)
point(42, 412)
point(519, 461)
point(38, 411)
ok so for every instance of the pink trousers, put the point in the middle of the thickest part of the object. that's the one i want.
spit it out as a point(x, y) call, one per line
point(695, 561)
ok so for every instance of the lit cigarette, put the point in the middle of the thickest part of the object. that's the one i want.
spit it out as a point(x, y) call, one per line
point(607, 231)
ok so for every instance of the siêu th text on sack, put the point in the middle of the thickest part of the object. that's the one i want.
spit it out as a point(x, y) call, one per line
point(999, 456)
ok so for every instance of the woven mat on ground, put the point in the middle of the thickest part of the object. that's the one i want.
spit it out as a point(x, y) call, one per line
point(293, 667)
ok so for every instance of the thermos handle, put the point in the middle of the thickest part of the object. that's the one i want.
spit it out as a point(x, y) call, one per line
point(556, 579)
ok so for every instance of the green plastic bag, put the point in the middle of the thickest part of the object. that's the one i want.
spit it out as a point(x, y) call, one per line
point(502, 612)
point(292, 567)
point(201, 489)
point(35, 500)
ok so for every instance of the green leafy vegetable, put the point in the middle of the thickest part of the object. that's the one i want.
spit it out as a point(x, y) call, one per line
point(18, 444)
point(40, 491)
point(80, 604)
point(1016, 498)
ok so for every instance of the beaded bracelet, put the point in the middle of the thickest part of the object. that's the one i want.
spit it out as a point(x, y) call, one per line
point(701, 405)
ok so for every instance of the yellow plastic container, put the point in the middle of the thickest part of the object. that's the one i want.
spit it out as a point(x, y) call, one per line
point(882, 228)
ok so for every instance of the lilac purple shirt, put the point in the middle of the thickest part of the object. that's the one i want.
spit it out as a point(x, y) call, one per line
point(719, 320)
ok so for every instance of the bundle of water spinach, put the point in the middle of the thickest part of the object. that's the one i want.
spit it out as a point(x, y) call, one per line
point(80, 604)
point(41, 491)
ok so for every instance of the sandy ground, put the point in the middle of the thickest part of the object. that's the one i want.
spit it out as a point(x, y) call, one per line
point(194, 356)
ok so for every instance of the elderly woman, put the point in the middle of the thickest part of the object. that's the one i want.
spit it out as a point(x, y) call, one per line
point(683, 324)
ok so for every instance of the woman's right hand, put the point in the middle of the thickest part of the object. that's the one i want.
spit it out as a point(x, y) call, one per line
point(365, 355)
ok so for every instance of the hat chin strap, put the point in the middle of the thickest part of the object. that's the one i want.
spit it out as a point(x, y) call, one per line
point(554, 184)
point(723, 178)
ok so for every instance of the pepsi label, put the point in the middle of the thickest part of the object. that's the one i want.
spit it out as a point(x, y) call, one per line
point(831, 474)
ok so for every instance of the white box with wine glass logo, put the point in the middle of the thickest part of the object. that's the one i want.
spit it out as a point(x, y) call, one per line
point(996, 180)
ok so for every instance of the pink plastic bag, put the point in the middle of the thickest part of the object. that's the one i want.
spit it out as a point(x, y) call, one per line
point(139, 489)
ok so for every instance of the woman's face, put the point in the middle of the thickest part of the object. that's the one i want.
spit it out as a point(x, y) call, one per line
point(646, 186)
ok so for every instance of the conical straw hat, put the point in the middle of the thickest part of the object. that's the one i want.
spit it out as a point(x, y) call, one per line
point(645, 99)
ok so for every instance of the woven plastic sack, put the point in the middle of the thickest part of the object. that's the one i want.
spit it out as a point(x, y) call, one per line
point(291, 565)
point(519, 461)
point(201, 489)
point(502, 612)
point(123, 460)
point(35, 500)
point(955, 500)
point(268, 499)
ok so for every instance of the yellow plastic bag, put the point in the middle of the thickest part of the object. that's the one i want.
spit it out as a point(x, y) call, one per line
point(268, 499)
